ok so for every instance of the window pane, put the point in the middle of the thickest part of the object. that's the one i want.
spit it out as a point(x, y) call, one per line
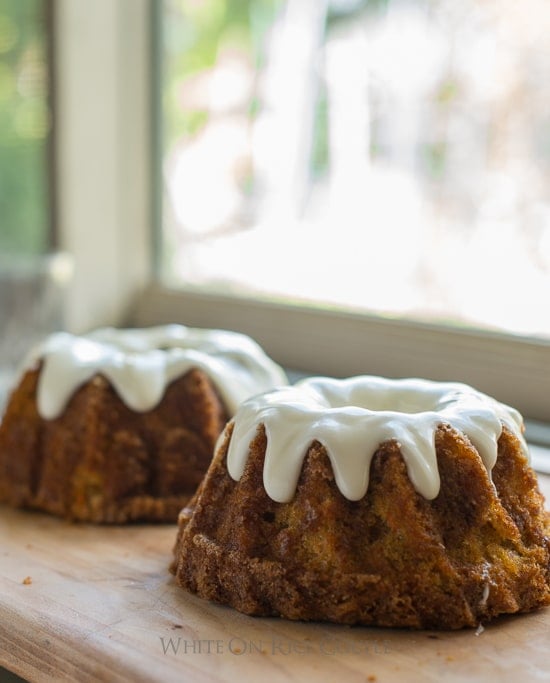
point(24, 127)
point(390, 156)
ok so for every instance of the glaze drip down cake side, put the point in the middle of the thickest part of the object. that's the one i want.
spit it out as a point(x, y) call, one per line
point(401, 503)
point(120, 425)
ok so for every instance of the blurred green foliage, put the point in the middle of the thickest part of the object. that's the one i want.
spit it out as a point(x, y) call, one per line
point(24, 127)
point(194, 35)
point(195, 32)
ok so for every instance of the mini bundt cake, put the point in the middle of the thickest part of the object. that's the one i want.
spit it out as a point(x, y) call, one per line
point(402, 503)
point(120, 425)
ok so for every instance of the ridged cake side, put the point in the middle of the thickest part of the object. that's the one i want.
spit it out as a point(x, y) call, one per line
point(392, 558)
point(100, 461)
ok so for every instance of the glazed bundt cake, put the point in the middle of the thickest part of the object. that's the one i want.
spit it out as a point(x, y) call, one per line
point(120, 425)
point(402, 503)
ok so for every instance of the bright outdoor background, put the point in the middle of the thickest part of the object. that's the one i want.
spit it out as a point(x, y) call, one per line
point(387, 156)
point(390, 156)
point(24, 127)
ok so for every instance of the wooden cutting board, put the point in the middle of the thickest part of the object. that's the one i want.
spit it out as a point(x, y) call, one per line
point(84, 603)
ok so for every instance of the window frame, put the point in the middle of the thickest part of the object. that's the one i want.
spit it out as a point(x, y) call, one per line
point(107, 215)
point(103, 161)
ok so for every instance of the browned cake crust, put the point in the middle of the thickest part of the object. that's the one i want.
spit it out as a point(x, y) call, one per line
point(392, 558)
point(102, 462)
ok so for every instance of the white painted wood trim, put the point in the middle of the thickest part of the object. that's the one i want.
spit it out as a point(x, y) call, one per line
point(102, 56)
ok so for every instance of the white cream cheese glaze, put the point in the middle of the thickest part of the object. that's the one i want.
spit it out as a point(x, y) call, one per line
point(140, 363)
point(352, 417)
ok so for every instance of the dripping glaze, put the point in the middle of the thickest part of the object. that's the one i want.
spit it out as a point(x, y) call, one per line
point(140, 363)
point(352, 417)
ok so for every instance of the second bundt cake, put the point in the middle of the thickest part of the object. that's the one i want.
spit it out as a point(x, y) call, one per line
point(120, 425)
point(402, 503)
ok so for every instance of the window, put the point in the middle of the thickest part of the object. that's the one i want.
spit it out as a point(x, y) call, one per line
point(25, 127)
point(108, 108)
point(387, 156)
point(30, 278)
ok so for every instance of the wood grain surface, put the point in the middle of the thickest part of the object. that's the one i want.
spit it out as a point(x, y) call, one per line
point(86, 603)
